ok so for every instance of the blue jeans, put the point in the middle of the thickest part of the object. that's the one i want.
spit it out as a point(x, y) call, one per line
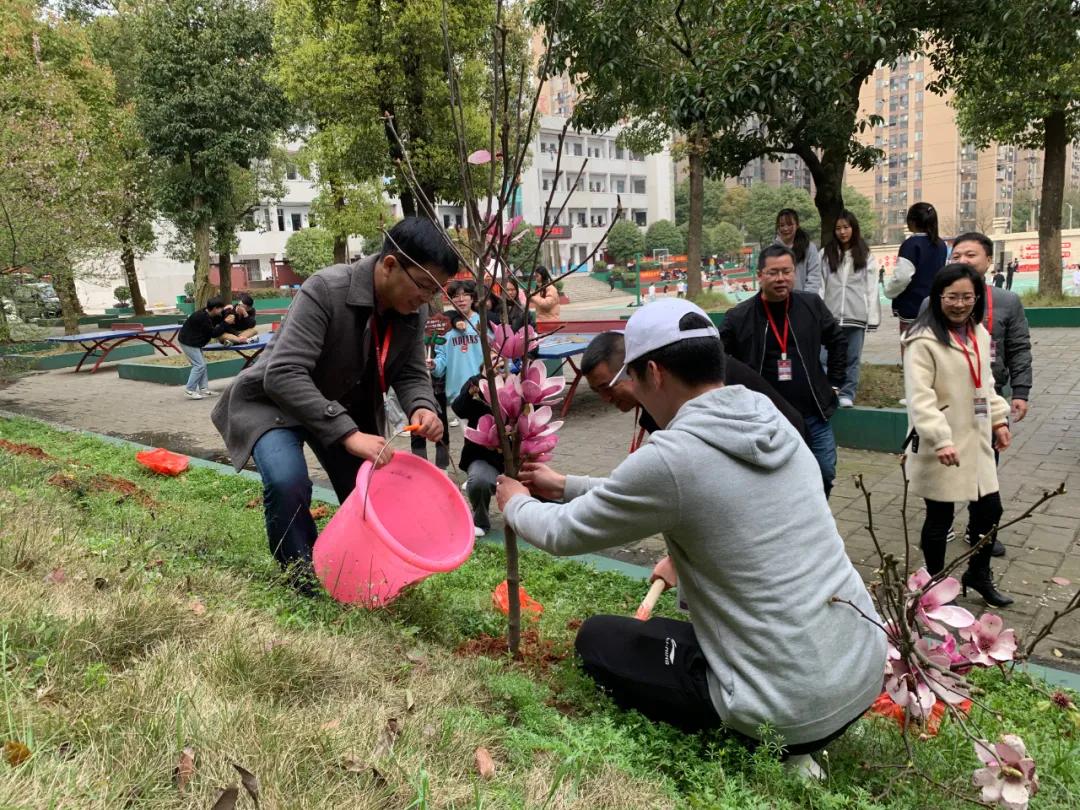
point(855, 336)
point(823, 446)
point(279, 457)
point(198, 379)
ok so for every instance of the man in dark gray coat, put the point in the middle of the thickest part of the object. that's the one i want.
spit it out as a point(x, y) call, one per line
point(352, 332)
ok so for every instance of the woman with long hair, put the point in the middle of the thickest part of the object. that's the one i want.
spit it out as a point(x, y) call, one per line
point(850, 289)
point(807, 254)
point(956, 418)
point(546, 297)
point(921, 255)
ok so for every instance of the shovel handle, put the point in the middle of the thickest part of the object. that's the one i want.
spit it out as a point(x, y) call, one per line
point(644, 610)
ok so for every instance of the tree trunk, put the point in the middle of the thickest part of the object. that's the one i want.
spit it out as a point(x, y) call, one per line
point(127, 256)
point(1053, 196)
point(225, 289)
point(513, 582)
point(829, 193)
point(64, 283)
point(697, 211)
point(202, 256)
point(5, 327)
point(341, 240)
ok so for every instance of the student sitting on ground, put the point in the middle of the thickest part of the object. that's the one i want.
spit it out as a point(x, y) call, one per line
point(732, 488)
point(483, 465)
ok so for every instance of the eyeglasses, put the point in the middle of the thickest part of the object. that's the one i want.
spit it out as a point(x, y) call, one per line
point(956, 298)
point(778, 273)
point(427, 289)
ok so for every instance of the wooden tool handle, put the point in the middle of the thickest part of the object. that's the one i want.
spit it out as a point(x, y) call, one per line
point(644, 610)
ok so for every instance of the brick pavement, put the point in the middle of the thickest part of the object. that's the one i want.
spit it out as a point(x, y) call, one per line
point(1045, 453)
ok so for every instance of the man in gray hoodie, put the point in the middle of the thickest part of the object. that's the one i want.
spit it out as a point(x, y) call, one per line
point(758, 556)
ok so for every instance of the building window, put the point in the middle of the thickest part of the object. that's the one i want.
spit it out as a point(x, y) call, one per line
point(620, 186)
point(290, 171)
point(545, 184)
point(297, 222)
point(620, 153)
point(641, 218)
point(280, 220)
point(581, 218)
point(577, 149)
point(446, 220)
point(639, 185)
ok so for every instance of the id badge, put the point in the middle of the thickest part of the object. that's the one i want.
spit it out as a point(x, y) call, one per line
point(783, 370)
point(982, 408)
point(993, 351)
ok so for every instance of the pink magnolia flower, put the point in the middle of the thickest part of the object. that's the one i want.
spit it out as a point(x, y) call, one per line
point(508, 394)
point(511, 344)
point(484, 434)
point(537, 386)
point(918, 686)
point(987, 643)
point(1009, 776)
point(537, 432)
point(959, 661)
point(933, 610)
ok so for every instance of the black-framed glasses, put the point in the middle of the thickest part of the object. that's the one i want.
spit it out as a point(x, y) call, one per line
point(427, 289)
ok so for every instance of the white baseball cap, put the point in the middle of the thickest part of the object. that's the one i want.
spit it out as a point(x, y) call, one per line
point(656, 325)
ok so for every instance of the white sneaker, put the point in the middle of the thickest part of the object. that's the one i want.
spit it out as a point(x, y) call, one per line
point(206, 392)
point(803, 766)
point(193, 394)
point(950, 536)
point(845, 402)
point(453, 422)
point(478, 531)
point(903, 401)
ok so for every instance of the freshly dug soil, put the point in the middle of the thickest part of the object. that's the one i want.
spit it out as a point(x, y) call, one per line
point(535, 652)
point(102, 482)
point(18, 449)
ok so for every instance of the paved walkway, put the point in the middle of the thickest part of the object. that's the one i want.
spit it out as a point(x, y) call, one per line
point(1045, 453)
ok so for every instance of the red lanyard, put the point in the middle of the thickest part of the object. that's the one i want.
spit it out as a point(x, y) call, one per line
point(990, 312)
point(639, 434)
point(976, 376)
point(382, 352)
point(775, 331)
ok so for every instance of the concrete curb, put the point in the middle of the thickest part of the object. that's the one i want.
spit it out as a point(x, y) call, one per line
point(177, 375)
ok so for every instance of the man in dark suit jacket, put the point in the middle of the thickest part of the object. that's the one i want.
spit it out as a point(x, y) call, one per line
point(352, 332)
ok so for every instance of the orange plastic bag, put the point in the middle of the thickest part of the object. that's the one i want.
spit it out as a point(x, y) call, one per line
point(162, 461)
point(501, 597)
point(885, 706)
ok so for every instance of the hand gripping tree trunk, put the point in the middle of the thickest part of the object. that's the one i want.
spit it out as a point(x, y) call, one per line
point(1053, 195)
point(697, 206)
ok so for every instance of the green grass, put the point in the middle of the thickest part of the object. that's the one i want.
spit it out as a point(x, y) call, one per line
point(169, 628)
point(1036, 299)
point(881, 385)
point(712, 301)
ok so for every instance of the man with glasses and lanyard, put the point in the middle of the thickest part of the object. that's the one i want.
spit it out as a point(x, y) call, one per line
point(352, 332)
point(780, 334)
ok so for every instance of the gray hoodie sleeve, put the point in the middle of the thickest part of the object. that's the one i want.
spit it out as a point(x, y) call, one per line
point(640, 499)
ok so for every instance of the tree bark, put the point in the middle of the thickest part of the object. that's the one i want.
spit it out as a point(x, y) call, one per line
point(1053, 197)
point(202, 255)
point(697, 211)
point(5, 327)
point(828, 174)
point(127, 256)
point(64, 283)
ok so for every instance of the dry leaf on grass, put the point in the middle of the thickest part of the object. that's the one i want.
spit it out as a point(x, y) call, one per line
point(415, 656)
point(250, 782)
point(410, 701)
point(197, 607)
point(1058, 653)
point(185, 769)
point(330, 725)
point(385, 746)
point(254, 503)
point(484, 763)
point(15, 753)
point(56, 576)
point(320, 511)
point(226, 800)
point(1060, 581)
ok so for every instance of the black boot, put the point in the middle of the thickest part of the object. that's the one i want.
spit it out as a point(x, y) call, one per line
point(979, 578)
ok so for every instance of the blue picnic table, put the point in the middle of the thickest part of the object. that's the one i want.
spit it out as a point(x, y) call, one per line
point(100, 344)
point(249, 351)
point(565, 347)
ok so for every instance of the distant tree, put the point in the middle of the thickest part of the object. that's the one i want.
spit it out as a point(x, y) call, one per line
point(310, 250)
point(663, 234)
point(767, 201)
point(726, 240)
point(863, 209)
point(625, 240)
point(523, 251)
point(205, 105)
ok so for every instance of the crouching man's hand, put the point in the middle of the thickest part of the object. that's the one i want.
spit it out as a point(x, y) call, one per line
point(665, 570)
point(507, 488)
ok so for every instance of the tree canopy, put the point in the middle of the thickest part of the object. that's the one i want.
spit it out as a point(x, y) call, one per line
point(625, 241)
point(662, 234)
point(310, 250)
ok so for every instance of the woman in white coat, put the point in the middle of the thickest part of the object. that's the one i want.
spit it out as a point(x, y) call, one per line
point(957, 419)
point(850, 290)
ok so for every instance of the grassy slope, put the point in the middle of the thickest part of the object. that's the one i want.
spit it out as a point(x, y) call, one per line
point(108, 674)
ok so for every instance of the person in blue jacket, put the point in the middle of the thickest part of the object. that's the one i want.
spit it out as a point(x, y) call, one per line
point(921, 256)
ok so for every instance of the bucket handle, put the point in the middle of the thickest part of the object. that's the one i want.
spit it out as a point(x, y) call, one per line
point(375, 464)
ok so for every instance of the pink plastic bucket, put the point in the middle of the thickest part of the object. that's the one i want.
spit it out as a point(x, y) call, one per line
point(416, 524)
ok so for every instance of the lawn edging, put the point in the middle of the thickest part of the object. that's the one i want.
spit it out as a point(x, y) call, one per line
point(52, 362)
point(880, 429)
point(1053, 316)
point(178, 375)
